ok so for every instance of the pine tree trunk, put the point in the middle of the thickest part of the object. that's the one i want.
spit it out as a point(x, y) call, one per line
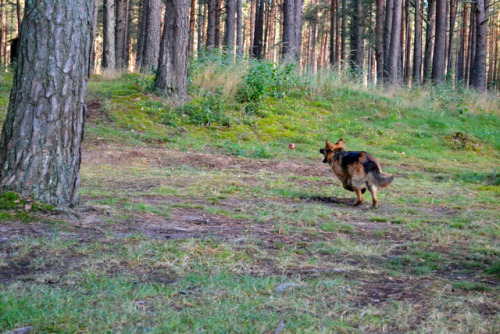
point(389, 7)
point(379, 39)
point(40, 147)
point(172, 75)
point(357, 51)
point(493, 38)
point(333, 25)
point(429, 39)
point(1, 31)
point(471, 47)
point(453, 16)
point(192, 27)
point(407, 69)
point(463, 46)
point(152, 36)
point(109, 55)
point(259, 30)
point(200, 28)
point(417, 49)
point(439, 45)
point(289, 50)
point(230, 26)
point(239, 28)
point(212, 18)
point(120, 32)
point(217, 23)
point(394, 55)
point(343, 33)
point(478, 77)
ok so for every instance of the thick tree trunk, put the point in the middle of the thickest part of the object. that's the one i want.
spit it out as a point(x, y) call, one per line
point(471, 50)
point(417, 48)
point(463, 47)
point(152, 36)
point(212, 18)
point(394, 55)
point(333, 25)
point(478, 76)
point(1, 31)
point(192, 27)
point(429, 38)
point(357, 50)
point(172, 75)
point(453, 16)
point(230, 26)
point(259, 30)
point(217, 23)
point(40, 147)
point(389, 6)
point(201, 20)
point(253, 10)
point(438, 63)
point(343, 33)
point(292, 30)
point(239, 28)
point(141, 33)
point(491, 59)
point(407, 67)
point(109, 55)
point(379, 39)
point(120, 32)
point(272, 32)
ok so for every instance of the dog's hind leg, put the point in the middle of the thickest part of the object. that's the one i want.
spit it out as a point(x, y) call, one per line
point(373, 191)
point(360, 199)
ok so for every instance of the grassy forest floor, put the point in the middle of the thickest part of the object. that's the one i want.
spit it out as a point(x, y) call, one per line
point(200, 218)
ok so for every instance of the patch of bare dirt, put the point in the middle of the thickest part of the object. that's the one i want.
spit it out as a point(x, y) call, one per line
point(167, 158)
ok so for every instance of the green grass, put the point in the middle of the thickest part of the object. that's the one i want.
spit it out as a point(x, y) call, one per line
point(200, 219)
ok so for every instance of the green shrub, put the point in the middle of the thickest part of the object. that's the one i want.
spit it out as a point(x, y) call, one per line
point(210, 108)
point(266, 79)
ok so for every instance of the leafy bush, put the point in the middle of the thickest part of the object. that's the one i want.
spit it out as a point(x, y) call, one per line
point(210, 108)
point(266, 79)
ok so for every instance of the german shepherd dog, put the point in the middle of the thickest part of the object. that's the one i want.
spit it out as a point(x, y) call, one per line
point(355, 169)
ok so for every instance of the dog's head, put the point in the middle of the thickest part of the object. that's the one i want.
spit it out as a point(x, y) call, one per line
point(330, 150)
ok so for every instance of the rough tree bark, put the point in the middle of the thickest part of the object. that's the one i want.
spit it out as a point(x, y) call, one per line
point(230, 25)
point(172, 75)
point(429, 38)
point(192, 26)
point(239, 28)
point(389, 5)
point(151, 35)
point(453, 15)
point(109, 56)
point(357, 54)
point(417, 48)
point(40, 146)
point(259, 30)
point(379, 39)
point(121, 32)
point(292, 30)
point(478, 75)
point(463, 46)
point(333, 25)
point(212, 18)
point(438, 60)
point(394, 54)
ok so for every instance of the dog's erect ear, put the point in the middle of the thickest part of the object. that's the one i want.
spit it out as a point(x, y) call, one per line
point(340, 142)
point(328, 144)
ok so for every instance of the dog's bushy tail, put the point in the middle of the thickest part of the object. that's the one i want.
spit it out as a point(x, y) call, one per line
point(380, 179)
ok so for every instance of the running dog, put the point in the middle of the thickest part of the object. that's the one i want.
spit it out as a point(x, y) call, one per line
point(355, 169)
